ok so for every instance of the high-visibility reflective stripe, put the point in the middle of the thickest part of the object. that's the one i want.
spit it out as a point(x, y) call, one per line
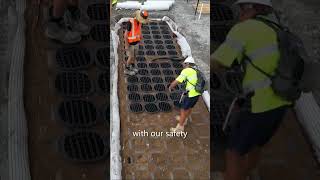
point(234, 44)
point(259, 53)
point(132, 29)
point(254, 85)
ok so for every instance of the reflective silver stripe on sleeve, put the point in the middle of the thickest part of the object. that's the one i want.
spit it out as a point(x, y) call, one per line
point(254, 85)
point(261, 52)
point(235, 44)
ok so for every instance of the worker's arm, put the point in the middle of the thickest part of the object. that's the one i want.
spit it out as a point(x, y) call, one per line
point(126, 39)
point(173, 85)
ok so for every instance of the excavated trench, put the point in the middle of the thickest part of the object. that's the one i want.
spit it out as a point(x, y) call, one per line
point(147, 104)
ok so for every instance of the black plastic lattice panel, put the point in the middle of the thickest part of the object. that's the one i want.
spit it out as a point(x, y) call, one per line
point(219, 32)
point(162, 96)
point(77, 113)
point(134, 97)
point(100, 32)
point(98, 11)
point(167, 72)
point(73, 58)
point(165, 107)
point(221, 12)
point(177, 65)
point(151, 108)
point(133, 79)
point(145, 79)
point(159, 87)
point(146, 87)
point(155, 72)
point(169, 79)
point(103, 58)
point(73, 84)
point(132, 87)
point(157, 80)
point(136, 107)
point(142, 65)
point(148, 98)
point(143, 72)
point(165, 65)
point(84, 146)
point(104, 82)
point(153, 65)
point(140, 58)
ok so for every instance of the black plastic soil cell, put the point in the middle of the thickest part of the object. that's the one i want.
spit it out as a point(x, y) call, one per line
point(165, 32)
point(150, 53)
point(159, 47)
point(145, 32)
point(161, 96)
point(154, 27)
point(134, 97)
point(149, 47)
point(171, 47)
point(140, 58)
point(104, 82)
point(168, 42)
point(77, 113)
point(172, 53)
point(165, 65)
point(136, 107)
point(153, 24)
point(161, 53)
point(155, 72)
point(73, 84)
point(132, 87)
point(221, 12)
point(169, 79)
point(166, 36)
point(142, 65)
point(84, 146)
point(167, 72)
point(149, 98)
point(143, 72)
point(165, 107)
point(159, 87)
point(158, 42)
point(151, 108)
point(146, 41)
point(100, 32)
point(140, 53)
point(73, 58)
point(177, 65)
point(102, 58)
point(156, 37)
point(98, 11)
point(155, 32)
point(157, 79)
point(146, 87)
point(132, 79)
point(145, 80)
point(153, 65)
point(146, 36)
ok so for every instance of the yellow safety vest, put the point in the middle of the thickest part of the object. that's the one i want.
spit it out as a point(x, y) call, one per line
point(259, 42)
point(189, 76)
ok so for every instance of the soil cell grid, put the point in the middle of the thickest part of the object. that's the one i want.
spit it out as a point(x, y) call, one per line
point(103, 82)
point(77, 113)
point(73, 58)
point(84, 146)
point(98, 11)
point(102, 58)
point(100, 32)
point(73, 84)
point(221, 12)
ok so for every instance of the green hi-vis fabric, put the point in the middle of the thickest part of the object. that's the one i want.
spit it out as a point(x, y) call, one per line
point(114, 1)
point(259, 42)
point(189, 76)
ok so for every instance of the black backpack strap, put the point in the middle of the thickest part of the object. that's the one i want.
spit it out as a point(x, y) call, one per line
point(275, 26)
point(246, 58)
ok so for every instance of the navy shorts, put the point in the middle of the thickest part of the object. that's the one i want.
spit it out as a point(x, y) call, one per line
point(252, 130)
point(189, 102)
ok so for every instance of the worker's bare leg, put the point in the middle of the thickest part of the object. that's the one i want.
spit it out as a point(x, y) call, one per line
point(184, 114)
point(252, 160)
point(59, 7)
point(235, 166)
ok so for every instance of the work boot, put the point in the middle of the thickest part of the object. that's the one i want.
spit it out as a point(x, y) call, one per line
point(178, 128)
point(58, 30)
point(178, 119)
point(72, 19)
point(129, 72)
point(133, 68)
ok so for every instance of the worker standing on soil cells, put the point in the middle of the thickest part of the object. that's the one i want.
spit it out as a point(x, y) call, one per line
point(189, 76)
point(132, 37)
point(64, 22)
point(253, 128)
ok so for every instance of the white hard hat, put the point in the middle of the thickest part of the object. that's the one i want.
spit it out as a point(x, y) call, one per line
point(189, 60)
point(262, 2)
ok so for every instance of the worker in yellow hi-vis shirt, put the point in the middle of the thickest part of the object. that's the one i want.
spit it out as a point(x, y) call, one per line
point(189, 76)
point(251, 38)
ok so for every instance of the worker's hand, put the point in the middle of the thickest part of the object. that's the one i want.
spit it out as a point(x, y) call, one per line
point(170, 88)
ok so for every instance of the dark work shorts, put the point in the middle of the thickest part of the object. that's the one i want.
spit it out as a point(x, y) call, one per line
point(252, 130)
point(189, 102)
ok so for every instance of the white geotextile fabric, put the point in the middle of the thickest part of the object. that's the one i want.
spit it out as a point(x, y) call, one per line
point(308, 113)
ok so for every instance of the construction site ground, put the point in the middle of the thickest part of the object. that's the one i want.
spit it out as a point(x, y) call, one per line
point(163, 157)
